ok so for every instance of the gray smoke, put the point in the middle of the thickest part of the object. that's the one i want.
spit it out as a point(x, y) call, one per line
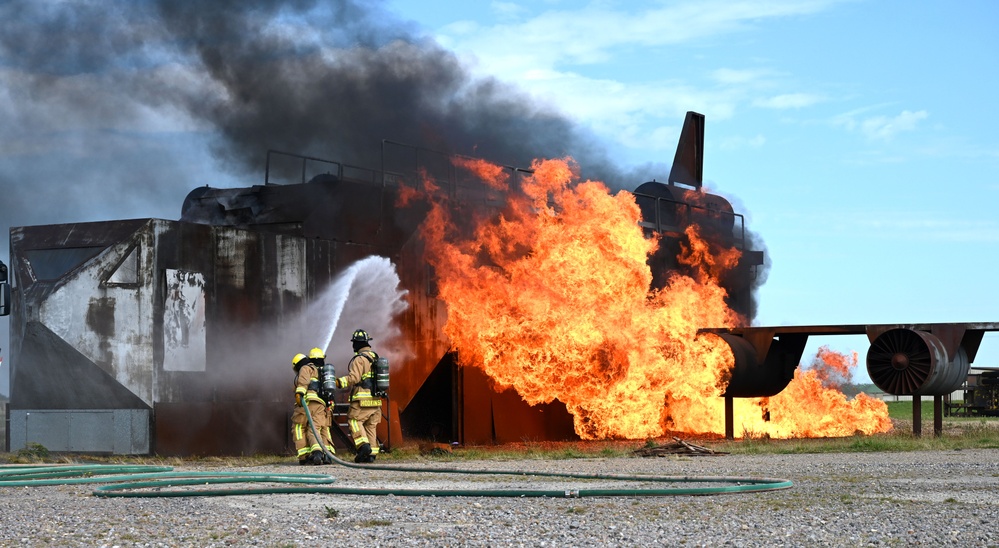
point(114, 109)
point(359, 77)
point(105, 97)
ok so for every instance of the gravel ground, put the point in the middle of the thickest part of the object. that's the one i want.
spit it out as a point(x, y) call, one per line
point(931, 498)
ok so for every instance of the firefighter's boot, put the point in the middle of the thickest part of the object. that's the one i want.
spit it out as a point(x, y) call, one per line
point(363, 452)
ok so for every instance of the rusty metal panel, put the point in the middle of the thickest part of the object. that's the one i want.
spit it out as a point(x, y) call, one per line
point(490, 417)
point(475, 408)
point(422, 322)
point(222, 428)
point(390, 429)
point(184, 337)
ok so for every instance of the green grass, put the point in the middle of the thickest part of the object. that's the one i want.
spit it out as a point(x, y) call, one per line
point(903, 410)
point(958, 433)
point(967, 434)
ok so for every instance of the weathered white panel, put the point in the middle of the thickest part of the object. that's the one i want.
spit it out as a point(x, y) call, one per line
point(291, 265)
point(108, 323)
point(184, 339)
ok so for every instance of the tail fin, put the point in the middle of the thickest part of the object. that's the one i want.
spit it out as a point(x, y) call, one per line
point(688, 164)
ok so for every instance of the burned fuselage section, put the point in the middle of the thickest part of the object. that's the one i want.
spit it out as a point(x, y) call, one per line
point(175, 337)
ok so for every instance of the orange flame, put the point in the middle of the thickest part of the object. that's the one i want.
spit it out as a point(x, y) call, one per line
point(812, 406)
point(832, 368)
point(551, 297)
point(493, 175)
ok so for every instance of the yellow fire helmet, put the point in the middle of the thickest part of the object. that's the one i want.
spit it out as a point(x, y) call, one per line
point(317, 354)
point(298, 359)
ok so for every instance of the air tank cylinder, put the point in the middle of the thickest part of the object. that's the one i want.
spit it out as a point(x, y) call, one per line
point(328, 379)
point(380, 372)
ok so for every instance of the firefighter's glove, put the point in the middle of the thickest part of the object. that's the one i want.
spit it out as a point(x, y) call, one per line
point(298, 400)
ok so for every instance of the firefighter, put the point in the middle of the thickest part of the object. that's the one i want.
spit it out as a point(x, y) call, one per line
point(308, 448)
point(365, 409)
point(318, 359)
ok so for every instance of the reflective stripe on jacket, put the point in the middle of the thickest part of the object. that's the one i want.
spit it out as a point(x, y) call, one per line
point(359, 378)
point(306, 382)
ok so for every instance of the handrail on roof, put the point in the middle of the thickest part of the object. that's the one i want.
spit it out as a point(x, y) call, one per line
point(659, 225)
point(340, 166)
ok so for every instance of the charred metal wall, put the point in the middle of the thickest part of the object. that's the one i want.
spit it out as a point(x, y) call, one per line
point(169, 318)
point(181, 320)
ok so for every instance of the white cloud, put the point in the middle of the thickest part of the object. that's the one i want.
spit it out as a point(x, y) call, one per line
point(917, 226)
point(642, 117)
point(789, 100)
point(737, 142)
point(730, 76)
point(879, 128)
point(589, 35)
point(884, 128)
point(507, 10)
point(549, 54)
point(545, 53)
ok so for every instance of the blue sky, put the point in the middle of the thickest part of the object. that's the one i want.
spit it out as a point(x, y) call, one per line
point(857, 137)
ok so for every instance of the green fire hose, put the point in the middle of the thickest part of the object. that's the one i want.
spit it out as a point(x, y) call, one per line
point(154, 481)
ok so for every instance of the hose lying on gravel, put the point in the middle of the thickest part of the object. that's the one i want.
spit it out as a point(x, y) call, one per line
point(66, 474)
point(150, 481)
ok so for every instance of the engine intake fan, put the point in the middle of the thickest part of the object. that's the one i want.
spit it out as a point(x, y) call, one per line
point(906, 362)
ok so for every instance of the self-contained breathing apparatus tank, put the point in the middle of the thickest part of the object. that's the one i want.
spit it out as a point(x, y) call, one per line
point(328, 382)
point(380, 374)
point(327, 375)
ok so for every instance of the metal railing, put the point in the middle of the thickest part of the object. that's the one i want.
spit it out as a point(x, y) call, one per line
point(447, 175)
point(684, 210)
point(340, 171)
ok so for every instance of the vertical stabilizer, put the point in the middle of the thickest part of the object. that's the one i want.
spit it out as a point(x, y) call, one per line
point(688, 164)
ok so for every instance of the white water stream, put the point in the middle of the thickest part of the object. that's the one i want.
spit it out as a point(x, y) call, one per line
point(364, 296)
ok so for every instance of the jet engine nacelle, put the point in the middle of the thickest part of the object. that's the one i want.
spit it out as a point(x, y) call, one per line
point(910, 362)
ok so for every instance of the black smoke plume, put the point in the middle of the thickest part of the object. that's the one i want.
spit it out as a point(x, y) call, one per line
point(359, 77)
point(118, 108)
point(92, 83)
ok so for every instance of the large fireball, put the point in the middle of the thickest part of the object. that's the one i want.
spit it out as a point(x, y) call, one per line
point(551, 296)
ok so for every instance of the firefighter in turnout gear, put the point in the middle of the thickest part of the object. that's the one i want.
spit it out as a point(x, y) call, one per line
point(318, 359)
point(308, 448)
point(365, 409)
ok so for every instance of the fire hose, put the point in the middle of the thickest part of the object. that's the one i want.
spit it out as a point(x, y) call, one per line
point(145, 481)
